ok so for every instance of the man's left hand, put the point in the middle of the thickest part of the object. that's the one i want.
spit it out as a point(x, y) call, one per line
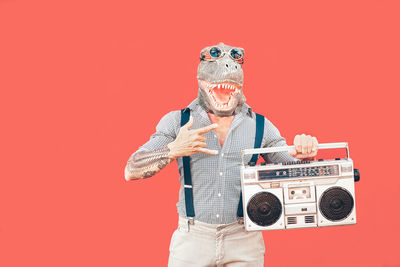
point(306, 147)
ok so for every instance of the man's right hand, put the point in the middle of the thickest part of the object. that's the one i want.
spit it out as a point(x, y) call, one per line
point(189, 142)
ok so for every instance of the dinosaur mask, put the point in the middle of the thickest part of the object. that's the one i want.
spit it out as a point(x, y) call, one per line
point(220, 78)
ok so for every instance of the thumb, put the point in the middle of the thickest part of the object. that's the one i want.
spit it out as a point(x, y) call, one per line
point(189, 124)
point(292, 152)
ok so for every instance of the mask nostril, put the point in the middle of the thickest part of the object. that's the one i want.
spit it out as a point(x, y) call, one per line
point(236, 67)
point(227, 65)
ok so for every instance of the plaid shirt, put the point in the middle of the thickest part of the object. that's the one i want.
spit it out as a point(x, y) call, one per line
point(216, 178)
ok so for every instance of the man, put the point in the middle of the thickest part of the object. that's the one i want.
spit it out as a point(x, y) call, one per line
point(208, 151)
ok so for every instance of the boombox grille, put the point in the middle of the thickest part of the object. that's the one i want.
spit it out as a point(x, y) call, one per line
point(264, 209)
point(336, 204)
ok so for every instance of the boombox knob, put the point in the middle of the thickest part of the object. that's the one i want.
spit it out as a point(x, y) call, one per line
point(356, 175)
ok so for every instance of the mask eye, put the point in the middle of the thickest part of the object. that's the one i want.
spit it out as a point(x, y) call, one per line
point(236, 54)
point(215, 52)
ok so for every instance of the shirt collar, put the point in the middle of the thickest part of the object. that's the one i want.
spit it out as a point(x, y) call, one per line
point(246, 109)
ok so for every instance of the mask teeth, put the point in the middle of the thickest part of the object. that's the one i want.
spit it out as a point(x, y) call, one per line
point(226, 86)
point(223, 85)
point(210, 86)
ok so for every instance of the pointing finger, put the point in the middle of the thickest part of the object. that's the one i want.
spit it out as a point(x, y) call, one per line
point(206, 129)
point(207, 151)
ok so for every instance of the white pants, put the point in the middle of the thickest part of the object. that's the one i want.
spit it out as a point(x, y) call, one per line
point(210, 245)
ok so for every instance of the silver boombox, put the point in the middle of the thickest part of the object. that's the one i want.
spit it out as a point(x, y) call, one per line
point(298, 194)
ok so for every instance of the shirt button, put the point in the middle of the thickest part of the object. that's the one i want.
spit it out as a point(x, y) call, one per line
point(217, 215)
point(215, 135)
point(219, 194)
point(220, 173)
point(222, 154)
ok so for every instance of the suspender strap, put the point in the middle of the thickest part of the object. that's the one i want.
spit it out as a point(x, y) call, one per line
point(259, 135)
point(257, 144)
point(187, 175)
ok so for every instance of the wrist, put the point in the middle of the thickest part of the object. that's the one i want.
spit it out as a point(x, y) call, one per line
point(171, 148)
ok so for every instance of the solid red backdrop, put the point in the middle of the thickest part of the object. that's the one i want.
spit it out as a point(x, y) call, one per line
point(84, 83)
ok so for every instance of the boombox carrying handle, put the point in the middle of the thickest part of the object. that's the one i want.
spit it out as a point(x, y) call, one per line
point(287, 148)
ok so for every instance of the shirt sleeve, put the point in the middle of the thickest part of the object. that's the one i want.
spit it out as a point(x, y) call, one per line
point(273, 138)
point(166, 132)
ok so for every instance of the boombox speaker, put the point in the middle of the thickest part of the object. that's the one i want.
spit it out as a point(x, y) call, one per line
point(298, 194)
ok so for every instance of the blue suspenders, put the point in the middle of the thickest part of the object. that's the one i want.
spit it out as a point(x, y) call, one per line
point(187, 175)
point(254, 158)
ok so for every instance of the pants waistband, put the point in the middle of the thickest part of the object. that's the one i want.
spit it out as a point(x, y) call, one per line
point(206, 228)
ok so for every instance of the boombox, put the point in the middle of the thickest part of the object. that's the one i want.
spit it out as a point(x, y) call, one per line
point(298, 194)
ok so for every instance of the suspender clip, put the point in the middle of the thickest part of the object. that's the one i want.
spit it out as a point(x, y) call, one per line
point(190, 220)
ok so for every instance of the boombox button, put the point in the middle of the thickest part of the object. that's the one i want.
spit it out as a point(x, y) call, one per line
point(300, 208)
point(275, 185)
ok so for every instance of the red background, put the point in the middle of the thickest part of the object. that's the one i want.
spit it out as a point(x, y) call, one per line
point(84, 83)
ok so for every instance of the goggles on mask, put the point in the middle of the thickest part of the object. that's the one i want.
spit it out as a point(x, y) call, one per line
point(215, 53)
